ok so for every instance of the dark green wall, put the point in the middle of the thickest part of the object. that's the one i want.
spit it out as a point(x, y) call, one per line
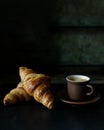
point(79, 12)
point(51, 32)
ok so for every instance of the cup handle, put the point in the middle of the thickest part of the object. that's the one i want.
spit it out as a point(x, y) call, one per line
point(91, 90)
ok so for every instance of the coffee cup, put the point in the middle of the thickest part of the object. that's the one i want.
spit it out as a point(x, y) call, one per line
point(78, 87)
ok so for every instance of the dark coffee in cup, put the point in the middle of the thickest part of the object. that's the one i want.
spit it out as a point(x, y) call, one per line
point(78, 87)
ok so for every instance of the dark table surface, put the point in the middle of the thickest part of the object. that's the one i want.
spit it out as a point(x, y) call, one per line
point(34, 116)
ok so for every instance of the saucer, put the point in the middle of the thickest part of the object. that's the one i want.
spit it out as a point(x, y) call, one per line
point(62, 95)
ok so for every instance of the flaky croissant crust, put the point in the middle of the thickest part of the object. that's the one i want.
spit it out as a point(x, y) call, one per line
point(38, 86)
point(32, 84)
point(15, 95)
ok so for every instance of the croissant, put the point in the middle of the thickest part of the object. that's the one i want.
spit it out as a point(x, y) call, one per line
point(16, 95)
point(37, 86)
point(23, 71)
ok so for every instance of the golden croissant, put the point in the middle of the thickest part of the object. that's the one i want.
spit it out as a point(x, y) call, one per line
point(16, 95)
point(37, 86)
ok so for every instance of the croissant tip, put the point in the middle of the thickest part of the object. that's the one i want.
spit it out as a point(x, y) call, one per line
point(51, 106)
point(22, 68)
point(6, 102)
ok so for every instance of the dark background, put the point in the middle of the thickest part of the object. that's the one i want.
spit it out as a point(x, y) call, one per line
point(56, 32)
point(62, 37)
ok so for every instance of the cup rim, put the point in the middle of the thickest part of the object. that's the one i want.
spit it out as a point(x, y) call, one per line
point(87, 78)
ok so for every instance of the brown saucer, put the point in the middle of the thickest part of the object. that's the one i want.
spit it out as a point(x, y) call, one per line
point(62, 95)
